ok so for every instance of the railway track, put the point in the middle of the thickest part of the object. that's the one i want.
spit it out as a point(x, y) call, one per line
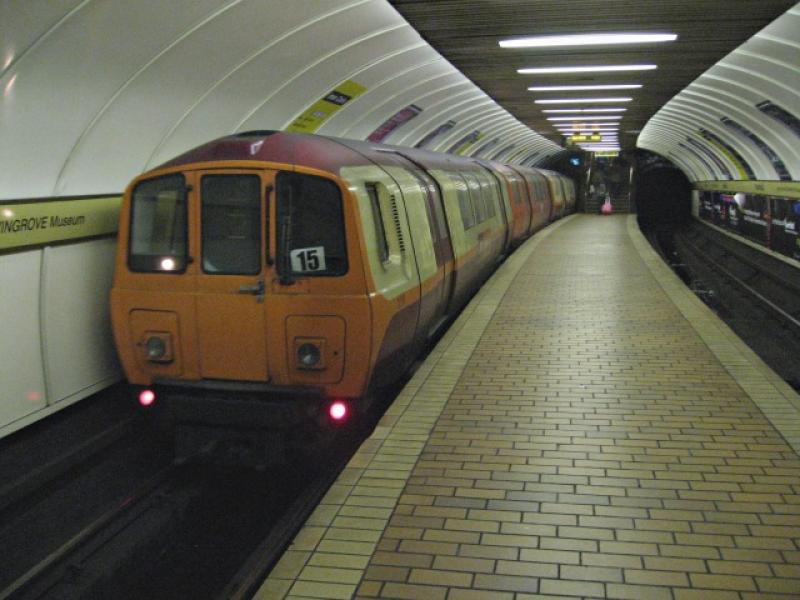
point(747, 284)
point(80, 566)
point(186, 531)
point(112, 516)
point(756, 295)
point(245, 582)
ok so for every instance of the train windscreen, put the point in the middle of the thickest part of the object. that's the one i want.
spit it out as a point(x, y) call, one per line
point(310, 227)
point(231, 224)
point(158, 225)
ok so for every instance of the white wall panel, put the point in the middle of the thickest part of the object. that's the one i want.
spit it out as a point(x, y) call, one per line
point(416, 86)
point(76, 328)
point(697, 108)
point(23, 23)
point(466, 119)
point(442, 108)
point(22, 389)
point(765, 68)
point(118, 87)
point(62, 83)
point(157, 96)
point(272, 62)
point(386, 79)
point(321, 76)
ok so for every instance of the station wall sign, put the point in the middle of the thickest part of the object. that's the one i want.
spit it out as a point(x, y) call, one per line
point(51, 221)
point(323, 109)
point(574, 139)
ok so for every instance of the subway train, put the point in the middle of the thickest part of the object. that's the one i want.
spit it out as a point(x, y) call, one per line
point(268, 280)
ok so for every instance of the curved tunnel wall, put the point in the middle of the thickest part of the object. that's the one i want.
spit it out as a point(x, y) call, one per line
point(740, 120)
point(93, 93)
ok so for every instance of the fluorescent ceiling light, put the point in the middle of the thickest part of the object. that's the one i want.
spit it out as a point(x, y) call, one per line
point(587, 39)
point(580, 100)
point(603, 126)
point(583, 110)
point(606, 126)
point(583, 88)
point(586, 132)
point(585, 69)
point(592, 118)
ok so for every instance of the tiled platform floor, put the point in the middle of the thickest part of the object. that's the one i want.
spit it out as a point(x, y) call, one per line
point(587, 429)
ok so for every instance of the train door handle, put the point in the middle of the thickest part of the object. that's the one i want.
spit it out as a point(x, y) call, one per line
point(257, 289)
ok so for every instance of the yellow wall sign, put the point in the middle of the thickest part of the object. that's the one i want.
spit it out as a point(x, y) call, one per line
point(584, 138)
point(35, 223)
point(324, 108)
point(788, 189)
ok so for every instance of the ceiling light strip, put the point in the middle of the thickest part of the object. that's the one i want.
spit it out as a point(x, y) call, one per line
point(585, 69)
point(583, 111)
point(580, 100)
point(592, 118)
point(587, 39)
point(583, 88)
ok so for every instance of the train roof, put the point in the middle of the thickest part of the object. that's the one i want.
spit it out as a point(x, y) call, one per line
point(313, 151)
point(316, 151)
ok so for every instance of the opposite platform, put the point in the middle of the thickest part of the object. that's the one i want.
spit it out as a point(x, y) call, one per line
point(587, 428)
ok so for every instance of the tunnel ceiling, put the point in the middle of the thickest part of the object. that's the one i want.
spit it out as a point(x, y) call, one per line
point(92, 93)
point(467, 32)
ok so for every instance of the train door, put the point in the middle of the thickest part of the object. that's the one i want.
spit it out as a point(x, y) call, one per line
point(442, 245)
point(230, 283)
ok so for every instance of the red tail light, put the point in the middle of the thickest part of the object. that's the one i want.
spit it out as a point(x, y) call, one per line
point(338, 411)
point(147, 397)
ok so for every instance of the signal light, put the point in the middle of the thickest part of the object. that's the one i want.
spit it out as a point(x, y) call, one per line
point(147, 397)
point(337, 411)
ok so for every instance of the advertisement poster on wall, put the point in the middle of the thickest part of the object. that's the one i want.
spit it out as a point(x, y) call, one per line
point(423, 143)
point(398, 119)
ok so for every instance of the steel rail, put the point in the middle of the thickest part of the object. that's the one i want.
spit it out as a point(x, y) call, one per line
point(261, 561)
point(750, 263)
point(82, 538)
point(734, 279)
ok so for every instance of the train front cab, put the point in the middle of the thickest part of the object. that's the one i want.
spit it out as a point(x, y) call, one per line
point(238, 294)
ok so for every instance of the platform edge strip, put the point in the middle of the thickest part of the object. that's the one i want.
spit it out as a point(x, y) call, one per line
point(773, 396)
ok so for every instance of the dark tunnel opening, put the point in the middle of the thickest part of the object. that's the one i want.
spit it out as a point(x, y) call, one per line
point(663, 195)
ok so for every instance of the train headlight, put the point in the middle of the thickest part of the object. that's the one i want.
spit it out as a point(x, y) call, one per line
point(308, 356)
point(156, 348)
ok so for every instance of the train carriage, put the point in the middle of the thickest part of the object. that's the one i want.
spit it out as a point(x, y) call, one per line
point(265, 277)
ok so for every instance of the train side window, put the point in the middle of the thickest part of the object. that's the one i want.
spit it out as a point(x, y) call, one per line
point(464, 203)
point(231, 224)
point(519, 191)
point(778, 208)
point(310, 226)
point(476, 199)
point(377, 217)
point(158, 225)
point(492, 194)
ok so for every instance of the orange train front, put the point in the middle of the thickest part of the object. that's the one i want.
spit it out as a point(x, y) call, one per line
point(266, 275)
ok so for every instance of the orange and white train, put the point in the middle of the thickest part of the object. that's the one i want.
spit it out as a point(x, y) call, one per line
point(267, 277)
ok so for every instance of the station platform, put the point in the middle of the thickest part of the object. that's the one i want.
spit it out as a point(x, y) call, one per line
point(587, 428)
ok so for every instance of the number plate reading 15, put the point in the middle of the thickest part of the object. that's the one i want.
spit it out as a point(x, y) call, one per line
point(308, 260)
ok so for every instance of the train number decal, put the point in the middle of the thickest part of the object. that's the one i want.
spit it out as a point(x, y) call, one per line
point(308, 260)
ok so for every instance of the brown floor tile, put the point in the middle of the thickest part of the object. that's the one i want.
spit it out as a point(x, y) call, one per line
point(593, 445)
